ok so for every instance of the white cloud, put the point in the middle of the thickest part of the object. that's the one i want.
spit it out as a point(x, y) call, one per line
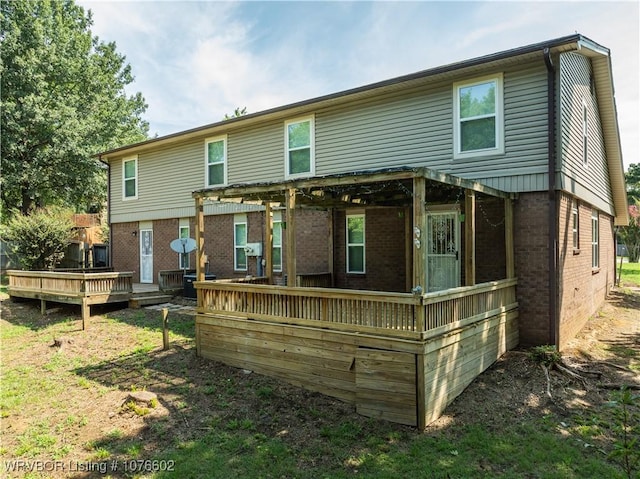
point(196, 61)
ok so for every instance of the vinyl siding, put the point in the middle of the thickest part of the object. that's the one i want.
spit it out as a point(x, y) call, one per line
point(411, 126)
point(415, 128)
point(588, 182)
point(257, 154)
point(166, 178)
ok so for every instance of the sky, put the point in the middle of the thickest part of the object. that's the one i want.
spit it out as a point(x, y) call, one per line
point(194, 62)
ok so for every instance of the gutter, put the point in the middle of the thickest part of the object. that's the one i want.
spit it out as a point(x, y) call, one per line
point(554, 324)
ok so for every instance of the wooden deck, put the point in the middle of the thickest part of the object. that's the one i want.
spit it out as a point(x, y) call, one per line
point(84, 289)
point(401, 357)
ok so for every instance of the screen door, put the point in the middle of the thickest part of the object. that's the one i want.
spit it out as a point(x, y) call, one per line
point(146, 256)
point(443, 247)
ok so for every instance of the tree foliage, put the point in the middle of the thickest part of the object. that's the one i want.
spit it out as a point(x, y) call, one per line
point(632, 177)
point(39, 239)
point(63, 100)
point(238, 112)
point(630, 235)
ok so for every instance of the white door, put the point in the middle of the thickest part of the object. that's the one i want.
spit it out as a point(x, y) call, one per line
point(443, 250)
point(146, 256)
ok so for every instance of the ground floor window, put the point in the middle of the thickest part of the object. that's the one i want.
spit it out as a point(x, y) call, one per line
point(595, 239)
point(355, 244)
point(277, 241)
point(240, 241)
point(183, 232)
point(575, 226)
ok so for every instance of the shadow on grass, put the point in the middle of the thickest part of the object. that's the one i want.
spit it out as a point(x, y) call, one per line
point(224, 422)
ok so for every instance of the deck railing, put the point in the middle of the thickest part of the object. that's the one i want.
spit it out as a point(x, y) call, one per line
point(75, 284)
point(314, 280)
point(398, 314)
point(171, 279)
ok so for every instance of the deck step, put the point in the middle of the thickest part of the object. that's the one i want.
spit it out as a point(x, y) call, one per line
point(138, 301)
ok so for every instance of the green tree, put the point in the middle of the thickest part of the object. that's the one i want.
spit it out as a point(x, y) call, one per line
point(39, 239)
point(238, 112)
point(632, 176)
point(630, 235)
point(63, 100)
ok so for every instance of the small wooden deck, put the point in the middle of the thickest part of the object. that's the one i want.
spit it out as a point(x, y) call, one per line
point(84, 289)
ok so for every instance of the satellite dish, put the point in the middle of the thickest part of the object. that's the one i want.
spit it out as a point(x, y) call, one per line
point(183, 245)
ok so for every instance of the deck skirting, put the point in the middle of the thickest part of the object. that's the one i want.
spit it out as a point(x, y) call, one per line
point(407, 381)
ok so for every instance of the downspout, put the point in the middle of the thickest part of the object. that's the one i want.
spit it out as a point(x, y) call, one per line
point(554, 326)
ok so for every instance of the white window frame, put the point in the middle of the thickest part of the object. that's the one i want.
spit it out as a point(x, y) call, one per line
point(277, 223)
point(224, 162)
point(363, 244)
point(239, 220)
point(312, 147)
point(575, 225)
point(585, 133)
point(498, 114)
point(184, 259)
point(595, 240)
point(125, 179)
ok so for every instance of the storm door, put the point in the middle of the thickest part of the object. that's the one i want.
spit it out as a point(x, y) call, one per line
point(146, 256)
point(443, 250)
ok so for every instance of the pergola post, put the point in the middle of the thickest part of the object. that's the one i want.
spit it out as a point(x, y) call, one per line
point(508, 238)
point(199, 242)
point(419, 233)
point(330, 245)
point(268, 242)
point(291, 236)
point(470, 237)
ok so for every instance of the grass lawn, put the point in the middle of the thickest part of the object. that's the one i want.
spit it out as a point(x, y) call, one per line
point(69, 406)
point(630, 274)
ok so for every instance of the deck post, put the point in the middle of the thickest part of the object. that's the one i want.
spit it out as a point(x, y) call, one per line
point(421, 400)
point(470, 237)
point(43, 306)
point(508, 243)
point(330, 245)
point(85, 313)
point(291, 237)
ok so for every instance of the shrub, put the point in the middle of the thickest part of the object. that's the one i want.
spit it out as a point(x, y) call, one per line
point(39, 239)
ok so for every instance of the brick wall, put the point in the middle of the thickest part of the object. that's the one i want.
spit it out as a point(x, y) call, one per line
point(490, 242)
point(531, 236)
point(384, 251)
point(126, 248)
point(582, 289)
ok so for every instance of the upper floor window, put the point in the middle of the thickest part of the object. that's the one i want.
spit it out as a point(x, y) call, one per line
point(595, 240)
point(277, 241)
point(585, 134)
point(478, 117)
point(239, 242)
point(216, 161)
point(130, 179)
point(299, 147)
point(355, 244)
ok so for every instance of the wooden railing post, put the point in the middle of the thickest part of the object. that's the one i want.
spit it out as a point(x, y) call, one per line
point(470, 237)
point(291, 237)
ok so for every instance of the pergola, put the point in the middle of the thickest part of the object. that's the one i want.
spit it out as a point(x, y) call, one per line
point(409, 187)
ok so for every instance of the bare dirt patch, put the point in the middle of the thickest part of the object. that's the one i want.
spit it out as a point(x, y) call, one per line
point(78, 391)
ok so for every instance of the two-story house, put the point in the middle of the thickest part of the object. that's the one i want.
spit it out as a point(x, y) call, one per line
point(503, 167)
